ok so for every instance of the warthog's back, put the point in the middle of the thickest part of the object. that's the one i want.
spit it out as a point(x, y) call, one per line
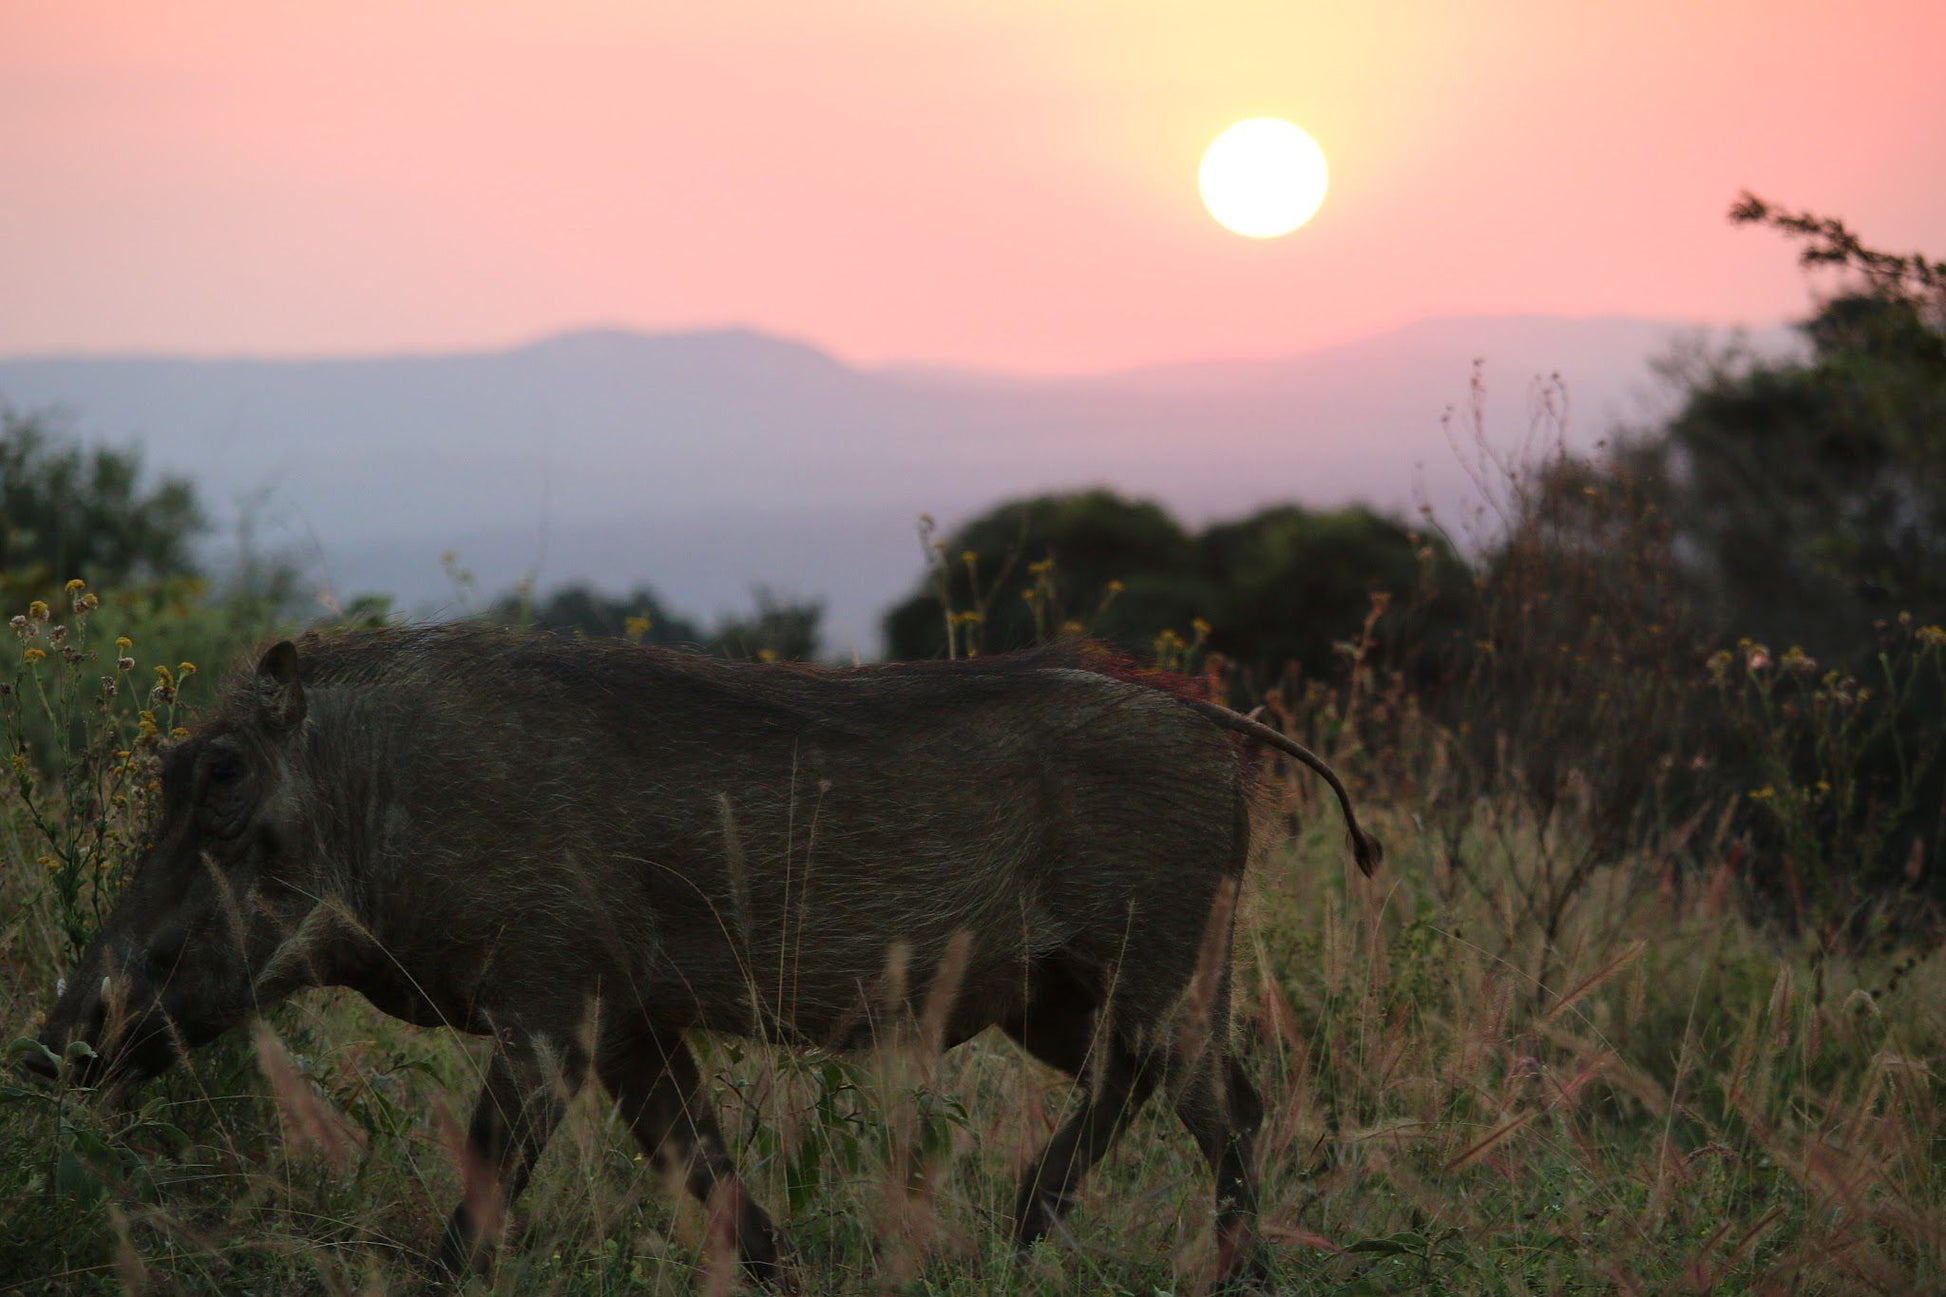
point(697, 832)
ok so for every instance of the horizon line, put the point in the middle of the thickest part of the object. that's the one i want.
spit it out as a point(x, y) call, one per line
point(945, 370)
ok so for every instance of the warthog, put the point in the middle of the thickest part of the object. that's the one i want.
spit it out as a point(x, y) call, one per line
point(586, 849)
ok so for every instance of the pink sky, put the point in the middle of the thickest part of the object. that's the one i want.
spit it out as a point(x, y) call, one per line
point(970, 182)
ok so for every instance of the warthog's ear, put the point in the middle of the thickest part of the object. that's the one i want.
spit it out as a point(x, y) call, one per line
point(280, 698)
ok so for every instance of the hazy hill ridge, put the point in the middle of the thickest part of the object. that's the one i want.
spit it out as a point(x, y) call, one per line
point(702, 462)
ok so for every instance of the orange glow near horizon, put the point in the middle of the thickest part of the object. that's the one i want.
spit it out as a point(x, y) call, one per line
point(986, 183)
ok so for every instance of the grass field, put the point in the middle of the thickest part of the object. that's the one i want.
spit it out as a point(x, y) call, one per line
point(1485, 1074)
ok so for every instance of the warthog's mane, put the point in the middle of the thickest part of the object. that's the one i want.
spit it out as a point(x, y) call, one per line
point(490, 660)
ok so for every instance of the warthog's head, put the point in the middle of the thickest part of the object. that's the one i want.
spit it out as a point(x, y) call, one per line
point(204, 932)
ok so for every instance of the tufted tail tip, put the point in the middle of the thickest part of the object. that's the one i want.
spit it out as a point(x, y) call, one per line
point(1367, 851)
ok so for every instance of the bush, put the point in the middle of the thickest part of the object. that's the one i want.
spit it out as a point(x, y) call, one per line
point(72, 512)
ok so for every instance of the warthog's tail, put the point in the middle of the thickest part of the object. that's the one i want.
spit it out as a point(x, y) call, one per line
point(1365, 848)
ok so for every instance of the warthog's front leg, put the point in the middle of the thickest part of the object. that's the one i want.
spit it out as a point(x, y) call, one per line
point(660, 1094)
point(527, 1089)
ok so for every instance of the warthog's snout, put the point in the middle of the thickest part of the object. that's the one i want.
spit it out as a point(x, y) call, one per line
point(104, 1028)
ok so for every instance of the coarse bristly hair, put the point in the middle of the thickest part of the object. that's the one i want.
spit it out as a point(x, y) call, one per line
point(525, 835)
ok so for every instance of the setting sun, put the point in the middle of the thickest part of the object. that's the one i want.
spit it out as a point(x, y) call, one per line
point(1263, 178)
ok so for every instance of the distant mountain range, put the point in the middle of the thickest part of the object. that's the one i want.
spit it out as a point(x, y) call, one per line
point(703, 463)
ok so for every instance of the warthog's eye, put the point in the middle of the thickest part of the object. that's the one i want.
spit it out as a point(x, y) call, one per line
point(222, 794)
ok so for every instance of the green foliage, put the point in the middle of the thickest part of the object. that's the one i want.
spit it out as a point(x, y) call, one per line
point(583, 610)
point(1838, 767)
point(1798, 502)
point(774, 630)
point(1294, 585)
point(1808, 496)
point(83, 705)
point(1125, 570)
point(1284, 585)
point(66, 511)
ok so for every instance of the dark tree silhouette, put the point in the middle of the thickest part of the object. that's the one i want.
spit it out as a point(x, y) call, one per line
point(71, 511)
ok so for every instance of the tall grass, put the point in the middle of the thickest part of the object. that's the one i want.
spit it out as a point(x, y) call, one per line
point(1544, 1050)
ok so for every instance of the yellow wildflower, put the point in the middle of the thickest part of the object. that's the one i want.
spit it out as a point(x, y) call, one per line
point(1763, 794)
point(1200, 626)
point(37, 611)
point(76, 584)
point(185, 668)
point(34, 655)
point(636, 628)
point(124, 643)
point(179, 733)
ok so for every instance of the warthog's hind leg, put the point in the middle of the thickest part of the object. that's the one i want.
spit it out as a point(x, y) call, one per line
point(1110, 1096)
point(1222, 1110)
point(1062, 1028)
point(659, 1090)
point(527, 1089)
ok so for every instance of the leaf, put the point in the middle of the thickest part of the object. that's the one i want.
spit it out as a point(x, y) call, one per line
point(16, 1094)
point(801, 1178)
point(174, 1137)
point(23, 1046)
point(73, 1179)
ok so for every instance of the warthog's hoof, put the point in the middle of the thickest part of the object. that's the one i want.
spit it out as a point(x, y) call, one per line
point(1242, 1261)
point(463, 1253)
point(1036, 1216)
point(769, 1263)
